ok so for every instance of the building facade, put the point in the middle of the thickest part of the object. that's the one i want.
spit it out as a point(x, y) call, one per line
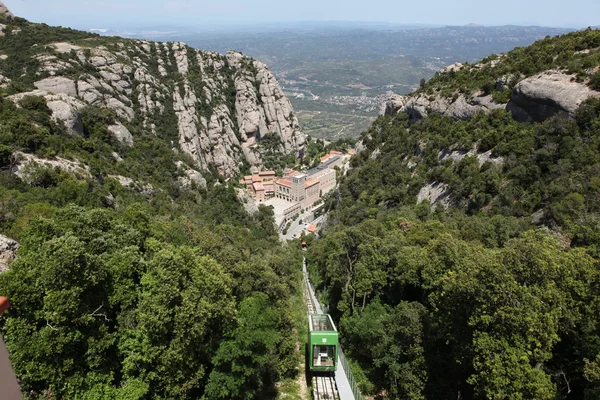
point(302, 188)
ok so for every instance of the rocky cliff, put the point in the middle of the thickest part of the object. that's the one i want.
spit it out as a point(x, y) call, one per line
point(215, 108)
point(531, 91)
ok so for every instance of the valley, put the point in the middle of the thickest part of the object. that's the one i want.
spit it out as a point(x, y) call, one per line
point(165, 210)
point(338, 76)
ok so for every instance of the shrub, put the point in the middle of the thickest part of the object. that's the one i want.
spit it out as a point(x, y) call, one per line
point(35, 103)
point(595, 81)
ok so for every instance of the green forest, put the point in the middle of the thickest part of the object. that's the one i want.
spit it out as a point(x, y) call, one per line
point(492, 291)
point(148, 292)
point(162, 291)
point(121, 295)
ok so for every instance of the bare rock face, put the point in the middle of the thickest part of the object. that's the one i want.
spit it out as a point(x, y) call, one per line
point(548, 94)
point(436, 193)
point(8, 252)
point(249, 204)
point(394, 104)
point(261, 106)
point(419, 106)
point(221, 112)
point(121, 133)
point(145, 189)
point(58, 85)
point(65, 108)
point(190, 177)
point(536, 98)
point(25, 166)
point(5, 12)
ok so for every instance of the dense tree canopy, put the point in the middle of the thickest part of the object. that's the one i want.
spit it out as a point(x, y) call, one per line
point(491, 293)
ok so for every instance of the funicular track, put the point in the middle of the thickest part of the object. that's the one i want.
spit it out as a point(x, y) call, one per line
point(324, 387)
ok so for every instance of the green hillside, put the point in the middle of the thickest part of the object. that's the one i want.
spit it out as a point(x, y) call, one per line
point(575, 53)
point(130, 284)
point(488, 286)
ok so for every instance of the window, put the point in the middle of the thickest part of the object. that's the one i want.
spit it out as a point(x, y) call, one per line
point(323, 356)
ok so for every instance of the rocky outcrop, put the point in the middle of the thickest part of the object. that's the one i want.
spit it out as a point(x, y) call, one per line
point(420, 105)
point(249, 204)
point(548, 94)
point(436, 193)
point(222, 106)
point(8, 252)
point(394, 104)
point(536, 98)
point(121, 133)
point(482, 158)
point(58, 85)
point(145, 189)
point(65, 109)
point(25, 166)
point(5, 12)
point(262, 107)
point(190, 178)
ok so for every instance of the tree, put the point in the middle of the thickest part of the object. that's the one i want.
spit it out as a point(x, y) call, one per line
point(246, 362)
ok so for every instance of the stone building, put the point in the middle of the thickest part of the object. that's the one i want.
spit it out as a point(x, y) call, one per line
point(304, 189)
point(260, 186)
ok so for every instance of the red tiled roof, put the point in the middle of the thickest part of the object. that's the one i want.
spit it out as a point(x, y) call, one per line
point(310, 182)
point(256, 178)
point(285, 182)
point(248, 177)
point(258, 186)
point(335, 152)
point(266, 173)
point(312, 228)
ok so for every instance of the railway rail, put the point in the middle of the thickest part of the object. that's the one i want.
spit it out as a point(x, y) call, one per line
point(324, 386)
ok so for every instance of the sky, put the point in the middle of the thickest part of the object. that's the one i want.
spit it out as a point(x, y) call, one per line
point(86, 14)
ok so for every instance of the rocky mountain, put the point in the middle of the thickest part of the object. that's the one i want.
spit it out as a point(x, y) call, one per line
point(115, 199)
point(551, 77)
point(471, 201)
point(212, 107)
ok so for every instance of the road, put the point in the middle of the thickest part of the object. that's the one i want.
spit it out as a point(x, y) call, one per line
point(296, 229)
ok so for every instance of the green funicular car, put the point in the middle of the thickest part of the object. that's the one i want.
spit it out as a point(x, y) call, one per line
point(323, 343)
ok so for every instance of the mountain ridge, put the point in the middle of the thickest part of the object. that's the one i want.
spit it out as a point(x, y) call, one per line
point(553, 76)
point(221, 106)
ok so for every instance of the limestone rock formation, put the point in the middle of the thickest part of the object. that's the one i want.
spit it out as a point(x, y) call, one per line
point(249, 204)
point(190, 177)
point(536, 98)
point(122, 134)
point(8, 252)
point(58, 85)
point(394, 104)
point(25, 166)
point(262, 107)
point(65, 108)
point(436, 193)
point(420, 105)
point(548, 94)
point(5, 12)
point(221, 106)
point(145, 189)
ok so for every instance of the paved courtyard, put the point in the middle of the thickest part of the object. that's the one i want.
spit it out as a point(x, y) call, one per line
point(279, 206)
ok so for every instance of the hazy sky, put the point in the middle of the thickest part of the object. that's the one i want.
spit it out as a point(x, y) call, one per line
point(110, 13)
